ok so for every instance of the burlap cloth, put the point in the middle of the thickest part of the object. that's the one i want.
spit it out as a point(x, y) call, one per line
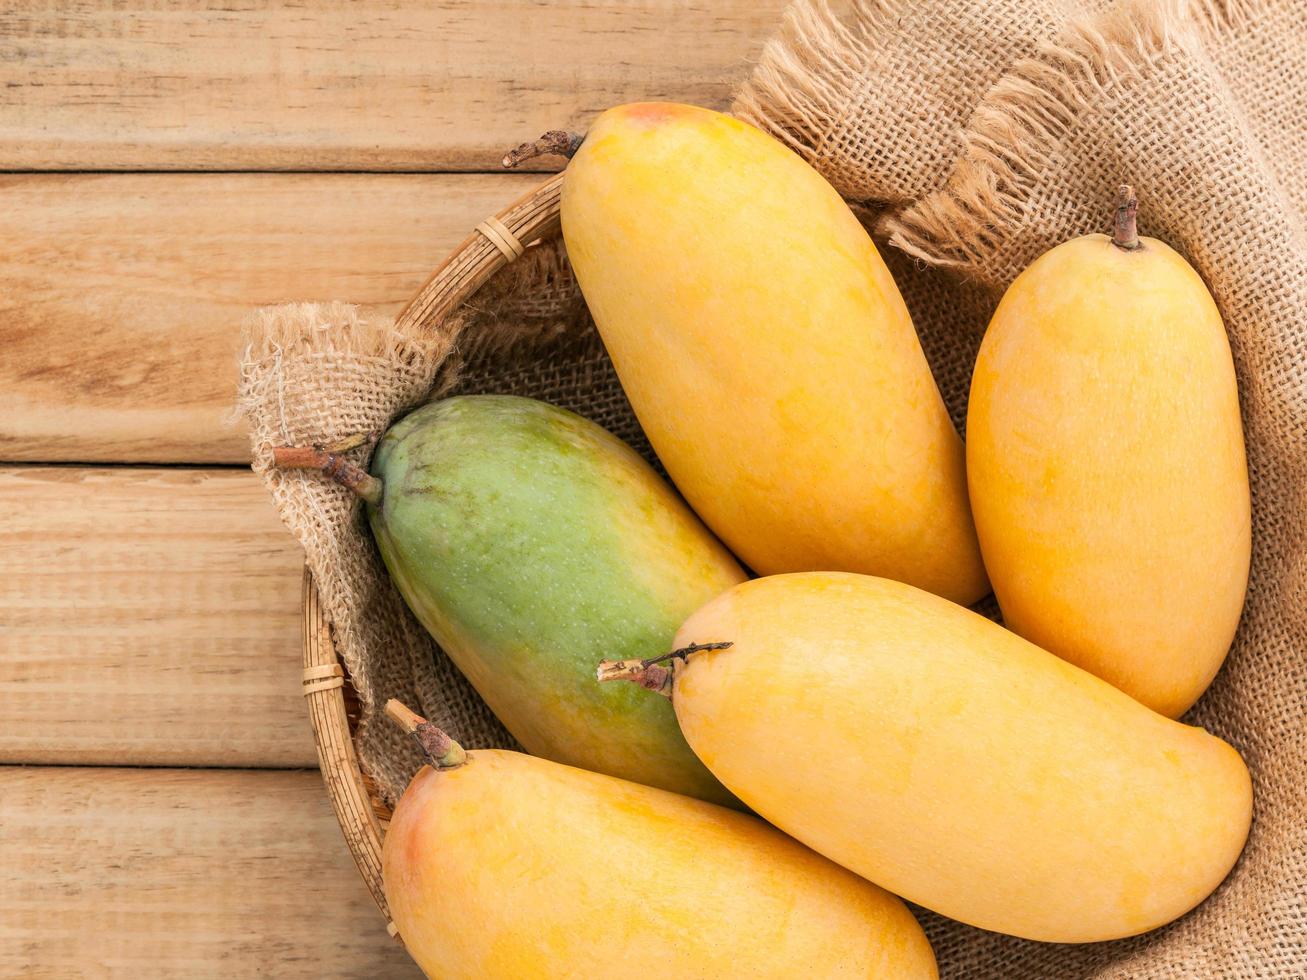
point(972, 135)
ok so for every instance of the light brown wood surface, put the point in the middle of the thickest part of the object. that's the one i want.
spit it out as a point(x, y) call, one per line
point(148, 617)
point(173, 873)
point(122, 295)
point(339, 85)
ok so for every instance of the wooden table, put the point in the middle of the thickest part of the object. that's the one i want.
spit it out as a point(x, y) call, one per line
point(169, 166)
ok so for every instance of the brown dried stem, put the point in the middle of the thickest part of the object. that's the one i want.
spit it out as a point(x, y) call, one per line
point(651, 674)
point(329, 461)
point(1125, 234)
point(442, 752)
point(556, 142)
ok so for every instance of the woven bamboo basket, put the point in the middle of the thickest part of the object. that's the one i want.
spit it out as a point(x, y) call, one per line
point(333, 707)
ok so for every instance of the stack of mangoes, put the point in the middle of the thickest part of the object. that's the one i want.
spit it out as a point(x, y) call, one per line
point(1029, 779)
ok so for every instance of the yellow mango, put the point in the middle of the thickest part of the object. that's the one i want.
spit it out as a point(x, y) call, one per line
point(511, 866)
point(954, 763)
point(766, 350)
point(1106, 464)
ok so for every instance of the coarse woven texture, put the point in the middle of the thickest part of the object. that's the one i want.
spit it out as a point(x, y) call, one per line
point(1202, 107)
point(875, 96)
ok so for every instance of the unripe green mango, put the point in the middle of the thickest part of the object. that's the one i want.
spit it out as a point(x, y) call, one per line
point(532, 544)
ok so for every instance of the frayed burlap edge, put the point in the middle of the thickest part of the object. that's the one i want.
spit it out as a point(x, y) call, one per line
point(1009, 140)
point(809, 72)
point(315, 374)
point(272, 337)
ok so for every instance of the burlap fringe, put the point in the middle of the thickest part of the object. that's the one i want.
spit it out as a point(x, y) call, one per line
point(1014, 133)
point(809, 72)
point(1221, 15)
point(297, 329)
point(284, 347)
point(318, 373)
point(275, 331)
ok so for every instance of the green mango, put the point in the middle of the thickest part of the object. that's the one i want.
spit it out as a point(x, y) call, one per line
point(532, 544)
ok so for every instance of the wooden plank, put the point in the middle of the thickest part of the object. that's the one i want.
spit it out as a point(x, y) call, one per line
point(122, 296)
point(335, 85)
point(148, 617)
point(175, 873)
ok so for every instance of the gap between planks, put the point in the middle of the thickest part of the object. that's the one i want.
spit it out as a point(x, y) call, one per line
point(122, 296)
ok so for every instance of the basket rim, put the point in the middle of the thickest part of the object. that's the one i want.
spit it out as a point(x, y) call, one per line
point(353, 803)
point(492, 245)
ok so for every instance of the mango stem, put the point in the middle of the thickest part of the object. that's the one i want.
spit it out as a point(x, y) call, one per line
point(442, 752)
point(329, 461)
point(556, 142)
point(1125, 234)
point(651, 677)
point(651, 674)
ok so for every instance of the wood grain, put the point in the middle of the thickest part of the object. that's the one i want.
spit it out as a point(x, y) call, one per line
point(174, 873)
point(336, 85)
point(122, 295)
point(148, 617)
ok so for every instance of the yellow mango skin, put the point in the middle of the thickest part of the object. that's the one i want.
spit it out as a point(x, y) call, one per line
point(1105, 457)
point(766, 350)
point(514, 866)
point(954, 763)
